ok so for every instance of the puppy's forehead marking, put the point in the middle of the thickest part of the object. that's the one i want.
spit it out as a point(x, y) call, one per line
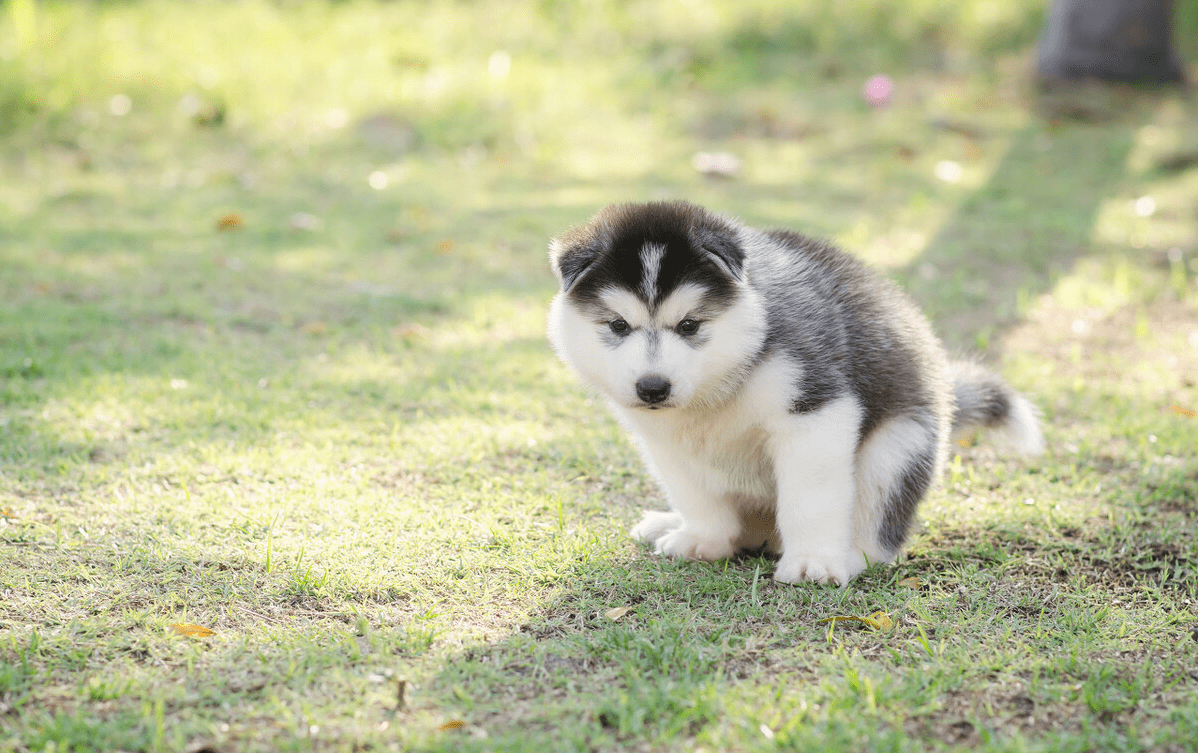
point(651, 255)
point(683, 300)
point(626, 304)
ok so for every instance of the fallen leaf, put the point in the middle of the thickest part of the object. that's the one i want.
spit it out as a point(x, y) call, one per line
point(232, 221)
point(911, 582)
point(8, 514)
point(451, 724)
point(1181, 410)
point(445, 246)
point(877, 620)
point(190, 630)
point(315, 328)
point(615, 614)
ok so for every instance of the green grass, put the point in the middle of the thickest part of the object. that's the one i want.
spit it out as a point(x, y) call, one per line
point(339, 440)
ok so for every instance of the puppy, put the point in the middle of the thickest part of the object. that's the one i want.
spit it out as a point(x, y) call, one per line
point(784, 395)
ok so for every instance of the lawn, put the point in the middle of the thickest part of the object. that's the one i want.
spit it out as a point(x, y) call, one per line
point(273, 285)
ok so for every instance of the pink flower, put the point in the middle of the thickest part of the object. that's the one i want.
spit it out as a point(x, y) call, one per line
point(878, 90)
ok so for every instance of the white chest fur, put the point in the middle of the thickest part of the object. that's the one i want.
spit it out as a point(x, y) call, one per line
point(725, 451)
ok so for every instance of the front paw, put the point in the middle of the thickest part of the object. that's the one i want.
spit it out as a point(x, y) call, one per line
point(656, 524)
point(819, 568)
point(687, 545)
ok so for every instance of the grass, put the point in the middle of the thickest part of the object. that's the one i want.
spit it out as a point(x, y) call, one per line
point(272, 362)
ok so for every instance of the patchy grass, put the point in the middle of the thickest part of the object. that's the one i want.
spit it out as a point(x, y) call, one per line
point(272, 362)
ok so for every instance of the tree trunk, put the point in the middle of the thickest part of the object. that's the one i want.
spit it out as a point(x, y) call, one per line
point(1113, 40)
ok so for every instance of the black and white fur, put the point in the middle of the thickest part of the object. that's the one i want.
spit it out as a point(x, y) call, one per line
point(784, 394)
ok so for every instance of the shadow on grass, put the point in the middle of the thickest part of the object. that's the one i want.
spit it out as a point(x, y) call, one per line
point(720, 655)
point(1012, 238)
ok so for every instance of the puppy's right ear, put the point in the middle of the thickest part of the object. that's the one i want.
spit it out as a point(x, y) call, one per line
point(721, 243)
point(571, 257)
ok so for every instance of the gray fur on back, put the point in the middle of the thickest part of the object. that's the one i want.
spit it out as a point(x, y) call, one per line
point(851, 329)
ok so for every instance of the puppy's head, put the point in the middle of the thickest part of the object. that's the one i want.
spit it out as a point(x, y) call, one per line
point(654, 310)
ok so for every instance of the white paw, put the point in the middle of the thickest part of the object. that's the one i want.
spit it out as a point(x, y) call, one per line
point(687, 545)
point(655, 525)
point(820, 568)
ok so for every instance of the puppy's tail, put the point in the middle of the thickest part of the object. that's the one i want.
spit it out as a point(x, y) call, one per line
point(985, 401)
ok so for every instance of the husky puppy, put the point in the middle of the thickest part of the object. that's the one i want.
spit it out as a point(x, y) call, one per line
point(783, 394)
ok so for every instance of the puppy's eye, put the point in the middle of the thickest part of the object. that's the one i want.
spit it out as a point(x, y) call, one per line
point(619, 326)
point(688, 326)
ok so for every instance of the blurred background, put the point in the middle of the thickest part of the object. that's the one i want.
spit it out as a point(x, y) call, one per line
point(430, 148)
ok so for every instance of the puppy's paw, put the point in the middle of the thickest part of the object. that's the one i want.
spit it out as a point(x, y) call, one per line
point(687, 545)
point(820, 568)
point(655, 525)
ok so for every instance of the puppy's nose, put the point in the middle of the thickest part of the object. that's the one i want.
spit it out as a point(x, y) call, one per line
point(652, 389)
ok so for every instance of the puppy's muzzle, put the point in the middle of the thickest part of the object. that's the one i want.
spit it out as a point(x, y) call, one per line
point(653, 389)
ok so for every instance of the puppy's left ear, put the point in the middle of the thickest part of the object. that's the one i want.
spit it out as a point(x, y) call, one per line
point(722, 245)
point(571, 257)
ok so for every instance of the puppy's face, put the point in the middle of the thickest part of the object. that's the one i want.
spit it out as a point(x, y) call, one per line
point(654, 312)
point(653, 354)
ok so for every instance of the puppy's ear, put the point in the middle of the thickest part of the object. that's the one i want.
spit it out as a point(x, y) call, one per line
point(722, 245)
point(571, 257)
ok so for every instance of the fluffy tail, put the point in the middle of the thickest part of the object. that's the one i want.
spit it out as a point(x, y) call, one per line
point(985, 401)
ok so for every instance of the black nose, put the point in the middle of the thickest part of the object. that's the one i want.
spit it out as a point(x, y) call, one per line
point(652, 389)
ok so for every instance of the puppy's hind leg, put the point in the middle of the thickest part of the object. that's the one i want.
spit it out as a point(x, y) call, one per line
point(896, 466)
